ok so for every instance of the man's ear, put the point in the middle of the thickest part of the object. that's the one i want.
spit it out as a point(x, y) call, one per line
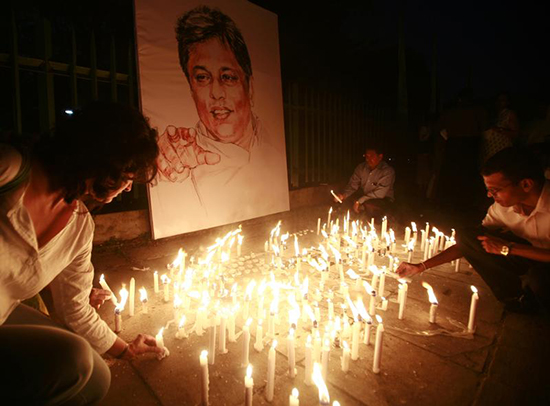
point(527, 184)
point(251, 90)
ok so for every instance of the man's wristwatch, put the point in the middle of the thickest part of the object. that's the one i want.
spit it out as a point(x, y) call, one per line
point(505, 250)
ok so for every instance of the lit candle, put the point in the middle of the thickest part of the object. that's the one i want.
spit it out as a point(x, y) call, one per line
point(384, 305)
point(378, 345)
point(422, 240)
point(473, 309)
point(166, 284)
point(159, 339)
point(271, 358)
point(143, 299)
point(325, 359)
point(384, 226)
point(239, 244)
point(131, 299)
point(259, 344)
point(328, 219)
point(231, 327)
point(382, 284)
point(291, 354)
point(407, 236)
point(356, 329)
point(324, 398)
point(366, 333)
point(345, 357)
point(105, 286)
point(308, 362)
point(402, 298)
point(318, 225)
point(119, 308)
point(293, 398)
point(223, 324)
point(156, 280)
point(205, 380)
point(433, 301)
point(457, 264)
point(181, 328)
point(249, 386)
point(317, 347)
point(246, 341)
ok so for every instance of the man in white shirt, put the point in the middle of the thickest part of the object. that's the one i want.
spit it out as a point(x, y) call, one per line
point(511, 251)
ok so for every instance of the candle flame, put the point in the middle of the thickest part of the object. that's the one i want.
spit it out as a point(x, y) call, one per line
point(177, 301)
point(308, 340)
point(204, 353)
point(431, 293)
point(161, 331)
point(296, 247)
point(164, 278)
point(379, 319)
point(411, 245)
point(102, 278)
point(295, 393)
point(143, 294)
point(249, 371)
point(330, 211)
point(346, 345)
point(249, 321)
point(182, 321)
point(123, 298)
point(370, 290)
point(291, 333)
point(320, 383)
point(274, 344)
point(351, 273)
point(474, 289)
point(413, 224)
point(362, 310)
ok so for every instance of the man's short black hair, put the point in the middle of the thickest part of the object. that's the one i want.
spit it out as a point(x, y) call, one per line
point(204, 23)
point(376, 147)
point(515, 164)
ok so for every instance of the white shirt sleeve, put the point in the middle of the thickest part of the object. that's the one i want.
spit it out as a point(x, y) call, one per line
point(492, 218)
point(71, 293)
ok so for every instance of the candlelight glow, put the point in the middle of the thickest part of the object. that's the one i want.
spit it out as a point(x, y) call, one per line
point(431, 293)
point(295, 393)
point(370, 290)
point(274, 344)
point(249, 371)
point(164, 278)
point(378, 319)
point(143, 295)
point(346, 345)
point(123, 298)
point(413, 224)
point(182, 321)
point(177, 301)
point(474, 289)
point(320, 383)
point(351, 273)
point(296, 247)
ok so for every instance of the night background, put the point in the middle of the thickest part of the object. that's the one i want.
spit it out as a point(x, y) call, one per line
point(346, 52)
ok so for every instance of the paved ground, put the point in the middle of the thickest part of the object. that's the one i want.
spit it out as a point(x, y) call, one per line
point(503, 363)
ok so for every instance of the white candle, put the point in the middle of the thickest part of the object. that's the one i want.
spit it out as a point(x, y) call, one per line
point(166, 285)
point(382, 284)
point(231, 328)
point(473, 309)
point(246, 342)
point(259, 344)
point(433, 301)
point(249, 386)
point(318, 225)
point(271, 359)
point(403, 289)
point(457, 264)
point(223, 324)
point(132, 297)
point(239, 244)
point(328, 219)
point(181, 328)
point(212, 342)
point(317, 343)
point(384, 227)
point(156, 280)
point(356, 329)
point(205, 380)
point(345, 357)
point(105, 286)
point(422, 240)
point(366, 333)
point(293, 398)
point(143, 299)
point(433, 313)
point(325, 359)
point(378, 345)
point(291, 354)
point(118, 320)
point(308, 362)
point(384, 306)
point(407, 236)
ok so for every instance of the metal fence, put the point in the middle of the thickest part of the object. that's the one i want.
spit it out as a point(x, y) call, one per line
point(53, 66)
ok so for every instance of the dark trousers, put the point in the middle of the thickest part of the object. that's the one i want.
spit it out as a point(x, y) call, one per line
point(44, 364)
point(507, 276)
point(376, 208)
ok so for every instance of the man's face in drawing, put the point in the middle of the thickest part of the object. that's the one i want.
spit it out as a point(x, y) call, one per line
point(220, 90)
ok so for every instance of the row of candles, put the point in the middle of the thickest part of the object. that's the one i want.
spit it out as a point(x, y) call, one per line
point(317, 350)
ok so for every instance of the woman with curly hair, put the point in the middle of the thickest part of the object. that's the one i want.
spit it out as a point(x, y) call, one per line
point(46, 235)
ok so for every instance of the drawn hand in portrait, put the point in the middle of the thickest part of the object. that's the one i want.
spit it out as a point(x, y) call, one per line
point(180, 153)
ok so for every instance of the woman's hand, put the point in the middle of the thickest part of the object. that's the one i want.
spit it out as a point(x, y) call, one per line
point(98, 297)
point(407, 269)
point(143, 344)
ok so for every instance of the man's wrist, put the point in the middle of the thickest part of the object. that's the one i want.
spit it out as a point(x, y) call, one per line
point(127, 353)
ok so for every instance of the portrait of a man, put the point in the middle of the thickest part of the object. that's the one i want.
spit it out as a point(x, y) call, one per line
point(226, 166)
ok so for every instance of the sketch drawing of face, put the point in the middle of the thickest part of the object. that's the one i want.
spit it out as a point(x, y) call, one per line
point(220, 91)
